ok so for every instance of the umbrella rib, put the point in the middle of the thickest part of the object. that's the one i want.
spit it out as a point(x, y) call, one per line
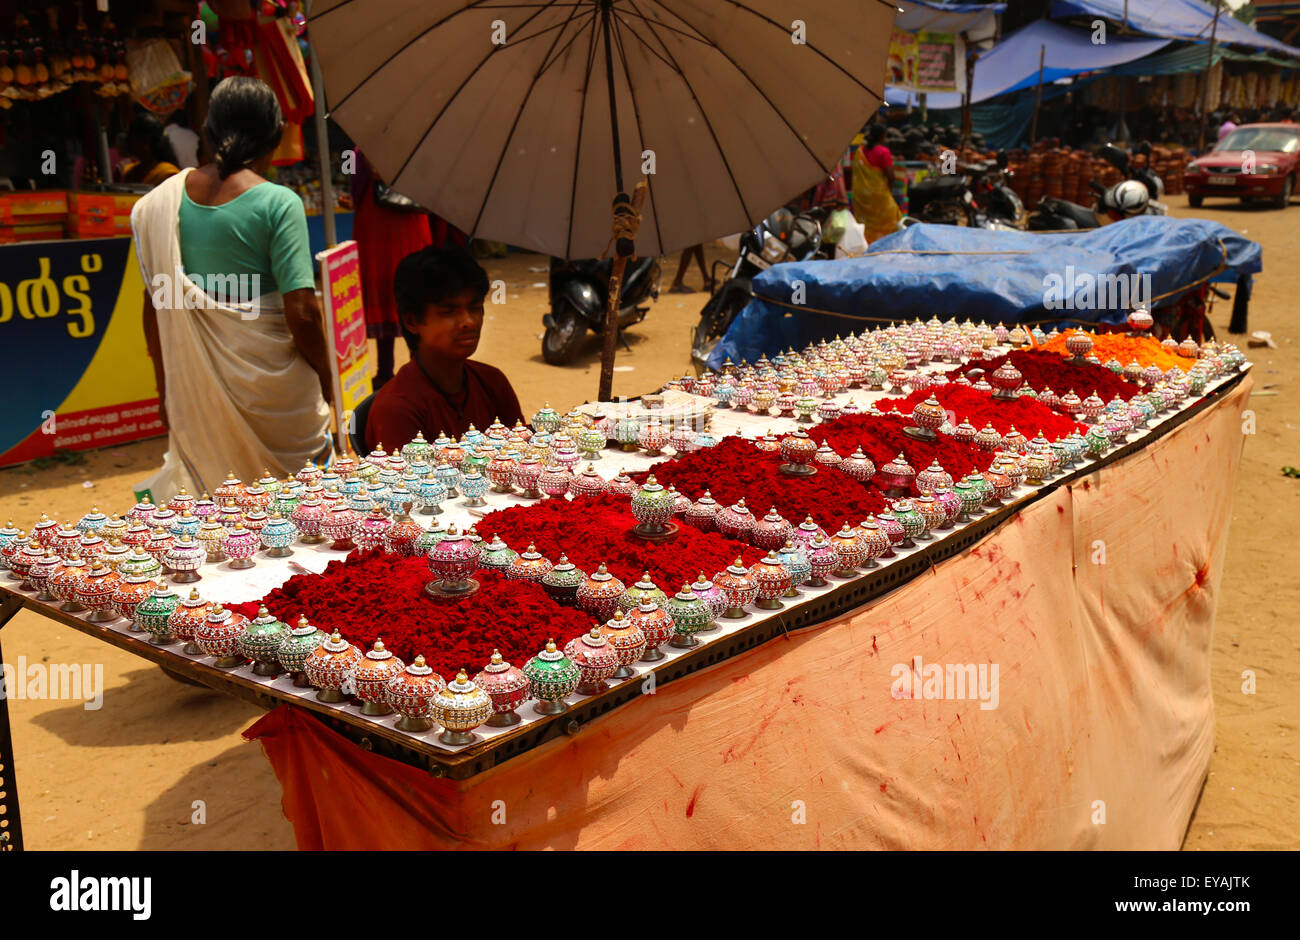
point(496, 170)
point(763, 94)
point(636, 114)
point(693, 34)
point(558, 53)
point(452, 97)
point(735, 183)
point(577, 156)
point(772, 22)
point(420, 35)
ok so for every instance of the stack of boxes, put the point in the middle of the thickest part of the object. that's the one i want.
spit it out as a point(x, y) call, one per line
point(55, 213)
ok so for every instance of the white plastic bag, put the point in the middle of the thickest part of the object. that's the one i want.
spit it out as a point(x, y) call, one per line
point(854, 240)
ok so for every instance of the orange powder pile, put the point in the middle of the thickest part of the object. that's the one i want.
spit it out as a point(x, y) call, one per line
point(1145, 350)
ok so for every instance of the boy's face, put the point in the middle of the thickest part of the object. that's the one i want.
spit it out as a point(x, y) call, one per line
point(451, 327)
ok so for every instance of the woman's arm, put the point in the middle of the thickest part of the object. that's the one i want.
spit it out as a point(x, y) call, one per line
point(154, 345)
point(303, 317)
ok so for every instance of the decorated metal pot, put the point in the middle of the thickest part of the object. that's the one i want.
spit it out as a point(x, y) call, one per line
point(371, 531)
point(653, 507)
point(645, 589)
point(370, 681)
point(849, 551)
point(261, 642)
point(596, 659)
point(473, 485)
point(933, 477)
point(506, 686)
point(703, 513)
point(153, 614)
point(627, 431)
point(331, 665)
point(497, 555)
point(296, 647)
point(689, 615)
point(561, 582)
point(798, 451)
point(547, 420)
point(587, 483)
point(41, 570)
point(858, 466)
point(626, 639)
point(91, 546)
point(460, 707)
point(599, 592)
point(66, 580)
point(771, 531)
point(552, 676)
point(307, 518)
point(500, 471)
point(411, 692)
point(653, 437)
point(453, 561)
point(826, 456)
point(277, 536)
point(875, 542)
point(930, 511)
point(183, 560)
point(914, 524)
point(219, 635)
point(186, 524)
point(187, 617)
point(735, 521)
point(529, 565)
point(773, 581)
point(92, 521)
point(999, 487)
point(656, 626)
point(897, 476)
point(739, 586)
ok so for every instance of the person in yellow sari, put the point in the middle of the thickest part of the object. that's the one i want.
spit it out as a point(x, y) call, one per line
point(873, 179)
point(152, 158)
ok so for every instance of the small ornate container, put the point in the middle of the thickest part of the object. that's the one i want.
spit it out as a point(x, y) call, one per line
point(460, 707)
point(622, 485)
point(374, 672)
point(703, 513)
point(65, 541)
point(137, 535)
point(330, 666)
point(627, 431)
point(183, 560)
point(114, 528)
point(587, 483)
point(738, 586)
point(599, 592)
point(92, 521)
point(547, 420)
point(473, 485)
point(562, 581)
point(875, 542)
point(552, 676)
point(826, 456)
point(95, 592)
point(500, 471)
point(141, 512)
point(527, 475)
point(773, 581)
point(153, 614)
point(277, 536)
point(896, 476)
point(1000, 486)
point(91, 546)
point(372, 529)
point(528, 566)
point(933, 477)
point(411, 692)
point(212, 536)
point(230, 514)
point(803, 534)
point(858, 466)
point(653, 507)
point(497, 555)
point(949, 502)
point(554, 481)
point(453, 560)
point(710, 594)
point(689, 614)
point(40, 571)
point(591, 441)
point(339, 526)
point(185, 524)
point(849, 551)
point(188, 616)
point(798, 451)
point(645, 589)
point(626, 639)
point(296, 647)
point(64, 583)
point(930, 511)
point(219, 635)
point(915, 525)
point(735, 522)
point(12, 541)
point(261, 642)
point(771, 532)
point(595, 658)
point(506, 686)
point(656, 626)
point(307, 518)
point(653, 437)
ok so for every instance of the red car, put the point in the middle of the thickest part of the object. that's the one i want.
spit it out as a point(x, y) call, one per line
point(1254, 161)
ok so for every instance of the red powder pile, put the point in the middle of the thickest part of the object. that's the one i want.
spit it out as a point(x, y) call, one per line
point(599, 529)
point(965, 403)
point(735, 469)
point(375, 595)
point(1050, 370)
point(882, 438)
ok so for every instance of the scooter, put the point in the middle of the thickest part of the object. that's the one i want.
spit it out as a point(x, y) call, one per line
point(977, 193)
point(579, 292)
point(1138, 194)
point(782, 236)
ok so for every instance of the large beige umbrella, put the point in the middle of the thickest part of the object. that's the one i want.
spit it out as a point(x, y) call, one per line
point(497, 115)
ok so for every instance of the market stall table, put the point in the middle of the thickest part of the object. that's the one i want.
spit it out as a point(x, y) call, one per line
point(806, 701)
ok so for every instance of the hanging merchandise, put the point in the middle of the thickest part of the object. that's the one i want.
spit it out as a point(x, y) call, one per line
point(157, 79)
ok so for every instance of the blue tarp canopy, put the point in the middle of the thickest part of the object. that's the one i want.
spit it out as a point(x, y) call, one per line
point(950, 271)
point(1175, 19)
point(1013, 63)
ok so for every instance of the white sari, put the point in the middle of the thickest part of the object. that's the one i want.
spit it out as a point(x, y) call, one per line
point(240, 397)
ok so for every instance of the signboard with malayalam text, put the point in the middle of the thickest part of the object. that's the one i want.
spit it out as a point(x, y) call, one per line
point(345, 327)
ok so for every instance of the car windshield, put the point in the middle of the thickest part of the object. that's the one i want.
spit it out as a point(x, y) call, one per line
point(1262, 138)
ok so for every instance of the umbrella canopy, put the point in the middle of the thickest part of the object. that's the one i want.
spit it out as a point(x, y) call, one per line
point(496, 114)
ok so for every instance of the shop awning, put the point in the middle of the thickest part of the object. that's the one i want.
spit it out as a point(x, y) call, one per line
point(977, 20)
point(1013, 63)
point(1175, 19)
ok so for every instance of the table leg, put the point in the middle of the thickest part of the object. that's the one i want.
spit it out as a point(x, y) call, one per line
point(11, 827)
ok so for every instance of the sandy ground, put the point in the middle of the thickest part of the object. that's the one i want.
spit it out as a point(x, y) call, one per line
point(162, 765)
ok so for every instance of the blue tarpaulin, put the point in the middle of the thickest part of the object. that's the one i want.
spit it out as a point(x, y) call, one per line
point(1175, 19)
point(950, 271)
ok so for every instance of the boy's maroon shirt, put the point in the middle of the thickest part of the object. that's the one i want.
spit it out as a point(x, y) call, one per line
point(410, 402)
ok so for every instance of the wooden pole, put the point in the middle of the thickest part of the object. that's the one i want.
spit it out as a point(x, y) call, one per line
point(622, 252)
point(1038, 95)
point(323, 149)
point(1205, 83)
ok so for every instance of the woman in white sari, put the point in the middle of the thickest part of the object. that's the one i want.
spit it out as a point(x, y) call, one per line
point(230, 312)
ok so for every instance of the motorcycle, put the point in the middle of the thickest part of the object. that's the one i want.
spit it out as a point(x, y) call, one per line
point(782, 236)
point(1137, 194)
point(579, 293)
point(977, 193)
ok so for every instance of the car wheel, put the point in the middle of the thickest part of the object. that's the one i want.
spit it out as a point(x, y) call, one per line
point(1283, 199)
point(1195, 201)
